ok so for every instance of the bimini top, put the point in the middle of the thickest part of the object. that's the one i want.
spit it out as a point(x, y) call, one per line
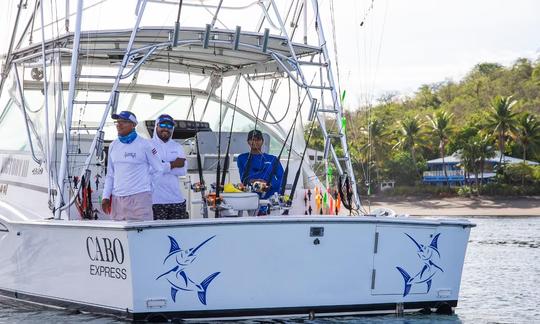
point(254, 52)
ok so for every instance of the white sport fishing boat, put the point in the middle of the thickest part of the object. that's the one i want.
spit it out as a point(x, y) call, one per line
point(68, 70)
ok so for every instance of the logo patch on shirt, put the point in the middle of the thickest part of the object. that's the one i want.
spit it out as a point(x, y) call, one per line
point(132, 155)
point(154, 151)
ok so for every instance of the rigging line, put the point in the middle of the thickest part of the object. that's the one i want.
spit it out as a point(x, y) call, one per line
point(202, 5)
point(286, 110)
point(248, 162)
point(286, 171)
point(334, 38)
point(297, 175)
point(292, 129)
point(199, 161)
point(227, 156)
point(380, 47)
point(73, 14)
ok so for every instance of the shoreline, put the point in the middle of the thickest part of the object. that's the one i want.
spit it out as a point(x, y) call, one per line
point(458, 206)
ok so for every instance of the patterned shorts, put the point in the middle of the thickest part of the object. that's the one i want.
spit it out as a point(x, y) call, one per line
point(170, 211)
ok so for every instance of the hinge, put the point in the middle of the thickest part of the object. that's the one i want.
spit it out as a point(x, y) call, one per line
point(376, 243)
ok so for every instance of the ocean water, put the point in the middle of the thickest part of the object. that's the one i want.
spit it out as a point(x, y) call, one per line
point(500, 284)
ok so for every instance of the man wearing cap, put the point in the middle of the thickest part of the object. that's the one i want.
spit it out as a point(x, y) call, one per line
point(258, 166)
point(127, 193)
point(168, 201)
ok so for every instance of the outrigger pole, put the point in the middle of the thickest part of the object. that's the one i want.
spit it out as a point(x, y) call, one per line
point(69, 113)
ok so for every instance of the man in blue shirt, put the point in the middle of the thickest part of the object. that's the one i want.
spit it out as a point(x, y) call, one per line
point(256, 166)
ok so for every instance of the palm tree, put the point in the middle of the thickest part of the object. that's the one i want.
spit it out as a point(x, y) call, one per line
point(474, 154)
point(485, 151)
point(501, 120)
point(376, 145)
point(527, 134)
point(410, 137)
point(440, 124)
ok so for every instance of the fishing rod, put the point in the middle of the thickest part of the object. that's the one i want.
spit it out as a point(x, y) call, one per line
point(297, 176)
point(218, 169)
point(286, 171)
point(202, 186)
point(226, 162)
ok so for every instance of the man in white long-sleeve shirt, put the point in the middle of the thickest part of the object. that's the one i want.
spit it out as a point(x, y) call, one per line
point(168, 201)
point(127, 193)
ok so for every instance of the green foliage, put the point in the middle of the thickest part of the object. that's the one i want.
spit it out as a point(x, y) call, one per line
point(493, 108)
point(402, 168)
point(521, 173)
point(467, 191)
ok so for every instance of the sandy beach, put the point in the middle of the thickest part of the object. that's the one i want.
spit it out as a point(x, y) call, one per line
point(466, 207)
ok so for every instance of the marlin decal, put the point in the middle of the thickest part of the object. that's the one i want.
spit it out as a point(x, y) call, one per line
point(430, 269)
point(177, 276)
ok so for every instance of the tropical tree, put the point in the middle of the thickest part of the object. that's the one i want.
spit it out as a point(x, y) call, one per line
point(527, 134)
point(474, 154)
point(440, 123)
point(410, 137)
point(501, 120)
point(377, 144)
point(486, 151)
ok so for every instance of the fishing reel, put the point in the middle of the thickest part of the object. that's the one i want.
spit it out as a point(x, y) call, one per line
point(259, 186)
point(241, 187)
point(198, 187)
point(212, 199)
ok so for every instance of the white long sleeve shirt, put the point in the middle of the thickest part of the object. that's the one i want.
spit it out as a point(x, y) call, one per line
point(165, 185)
point(129, 166)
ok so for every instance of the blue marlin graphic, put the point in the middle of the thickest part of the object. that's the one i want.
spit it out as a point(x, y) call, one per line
point(178, 277)
point(425, 253)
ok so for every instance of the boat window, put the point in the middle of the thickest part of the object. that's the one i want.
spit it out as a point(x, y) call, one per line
point(12, 123)
point(3, 228)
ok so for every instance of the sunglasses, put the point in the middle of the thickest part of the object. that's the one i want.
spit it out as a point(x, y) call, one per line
point(164, 125)
point(121, 121)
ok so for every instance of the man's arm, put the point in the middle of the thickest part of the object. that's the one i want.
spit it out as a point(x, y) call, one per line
point(153, 158)
point(182, 167)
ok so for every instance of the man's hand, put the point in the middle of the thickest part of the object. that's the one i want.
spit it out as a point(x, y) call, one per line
point(106, 205)
point(178, 163)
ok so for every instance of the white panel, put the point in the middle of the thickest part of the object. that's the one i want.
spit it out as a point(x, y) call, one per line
point(396, 250)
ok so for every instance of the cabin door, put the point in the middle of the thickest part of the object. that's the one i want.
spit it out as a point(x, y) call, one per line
point(398, 260)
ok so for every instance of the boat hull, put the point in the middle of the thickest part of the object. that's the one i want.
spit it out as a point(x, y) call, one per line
point(235, 267)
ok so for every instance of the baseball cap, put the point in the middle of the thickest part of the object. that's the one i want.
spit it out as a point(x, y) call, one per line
point(125, 115)
point(255, 134)
point(165, 119)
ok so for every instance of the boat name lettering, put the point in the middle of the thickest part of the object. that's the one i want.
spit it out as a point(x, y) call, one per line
point(15, 167)
point(37, 171)
point(104, 249)
point(111, 272)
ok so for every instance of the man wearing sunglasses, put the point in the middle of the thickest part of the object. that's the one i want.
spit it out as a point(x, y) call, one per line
point(167, 199)
point(128, 186)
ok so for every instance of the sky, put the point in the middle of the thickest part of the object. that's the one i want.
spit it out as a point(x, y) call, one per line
point(404, 44)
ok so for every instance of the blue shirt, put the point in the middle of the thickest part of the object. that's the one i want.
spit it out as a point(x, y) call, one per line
point(260, 167)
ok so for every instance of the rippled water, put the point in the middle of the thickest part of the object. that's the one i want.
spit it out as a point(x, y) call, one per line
point(500, 284)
